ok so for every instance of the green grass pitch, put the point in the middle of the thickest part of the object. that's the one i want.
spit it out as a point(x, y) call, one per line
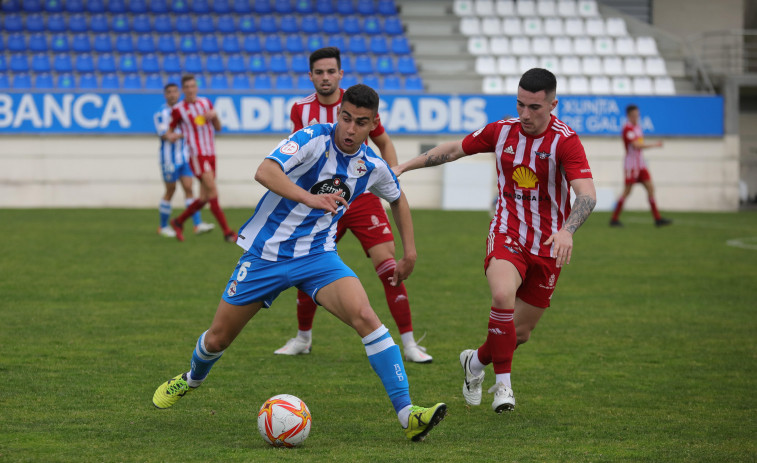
point(648, 354)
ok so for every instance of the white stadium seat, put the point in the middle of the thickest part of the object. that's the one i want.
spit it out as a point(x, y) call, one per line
point(595, 27)
point(507, 65)
point(604, 46)
point(486, 65)
point(621, 86)
point(592, 66)
point(613, 66)
point(571, 65)
point(550, 63)
point(562, 45)
point(511, 85)
point(625, 46)
point(525, 7)
point(554, 27)
point(642, 86)
point(520, 46)
point(491, 26)
point(541, 46)
point(463, 7)
point(567, 8)
point(633, 66)
point(505, 8)
point(512, 26)
point(588, 8)
point(574, 27)
point(484, 8)
point(664, 86)
point(492, 85)
point(527, 62)
point(600, 85)
point(499, 45)
point(655, 66)
point(578, 85)
point(646, 46)
point(533, 26)
point(546, 8)
point(478, 45)
point(616, 27)
point(583, 46)
point(470, 25)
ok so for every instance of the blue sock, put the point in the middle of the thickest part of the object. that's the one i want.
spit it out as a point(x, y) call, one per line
point(165, 212)
point(202, 361)
point(196, 219)
point(386, 361)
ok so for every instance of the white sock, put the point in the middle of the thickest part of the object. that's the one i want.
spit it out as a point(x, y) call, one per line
point(404, 416)
point(305, 335)
point(407, 339)
point(193, 382)
point(476, 367)
point(503, 378)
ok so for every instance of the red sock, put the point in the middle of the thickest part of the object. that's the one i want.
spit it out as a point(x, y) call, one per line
point(215, 208)
point(500, 341)
point(191, 209)
point(396, 296)
point(653, 206)
point(618, 208)
point(305, 311)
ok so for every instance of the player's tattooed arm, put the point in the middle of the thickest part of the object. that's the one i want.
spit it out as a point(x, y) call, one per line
point(443, 153)
point(582, 207)
point(434, 159)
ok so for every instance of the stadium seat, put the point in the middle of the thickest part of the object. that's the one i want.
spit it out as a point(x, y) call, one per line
point(400, 46)
point(257, 64)
point(664, 86)
point(525, 7)
point(347, 64)
point(184, 24)
point(642, 86)
point(252, 44)
point(124, 43)
point(99, 23)
point(279, 64)
point(188, 44)
point(214, 63)
point(206, 24)
point(646, 46)
point(351, 25)
point(59, 43)
point(331, 25)
point(247, 25)
point(235, 64)
point(471, 26)
point(259, 6)
point(268, 24)
point(541, 46)
point(363, 65)
point(120, 23)
point(358, 45)
point(492, 26)
point(621, 85)
point(19, 62)
point(323, 8)
point(35, 22)
point(262, 82)
point(284, 82)
point(567, 8)
point(106, 63)
point(304, 6)
point(533, 26)
point(132, 82)
point(171, 63)
point(88, 81)
point(485, 65)
point(562, 46)
point(366, 8)
point(158, 6)
point(372, 81)
point(633, 66)
point(304, 83)
point(492, 85)
point(221, 6)
point(604, 46)
point(38, 42)
point(153, 82)
point(22, 80)
point(553, 27)
point(3, 63)
point(348, 80)
point(655, 66)
point(84, 63)
point(600, 85)
point(273, 44)
point(392, 83)
point(32, 5)
point(40, 63)
point(16, 42)
point(200, 6)
point(595, 27)
point(75, 6)
point(527, 62)
point(10, 6)
point(65, 81)
point(174, 77)
point(127, 63)
point(193, 63)
point(138, 6)
point(310, 25)
point(288, 23)
point(81, 43)
point(166, 43)
point(209, 44)
point(179, 6)
point(230, 44)
point(592, 66)
point(150, 64)
point(62, 63)
point(110, 81)
point(53, 5)
point(612, 65)
point(406, 65)
point(146, 43)
point(574, 27)
point(378, 45)
point(78, 23)
point(219, 82)
point(300, 63)
point(371, 25)
point(344, 7)
point(505, 65)
point(241, 82)
point(578, 85)
point(56, 23)
point(386, 7)
point(226, 24)
point(294, 44)
point(314, 43)
point(117, 6)
point(385, 65)
point(587, 8)
point(163, 24)
point(336, 41)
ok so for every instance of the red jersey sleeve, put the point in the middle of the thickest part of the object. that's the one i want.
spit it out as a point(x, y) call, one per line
point(175, 118)
point(296, 117)
point(378, 130)
point(483, 140)
point(572, 158)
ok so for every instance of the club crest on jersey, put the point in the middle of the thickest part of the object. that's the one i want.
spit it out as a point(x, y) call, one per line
point(525, 178)
point(358, 168)
point(200, 120)
point(543, 154)
point(334, 185)
point(290, 147)
point(232, 289)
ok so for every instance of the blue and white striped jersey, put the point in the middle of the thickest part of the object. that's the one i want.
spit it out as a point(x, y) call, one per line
point(171, 154)
point(283, 229)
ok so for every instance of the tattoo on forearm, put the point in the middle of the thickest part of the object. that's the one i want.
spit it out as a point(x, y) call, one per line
point(435, 159)
point(582, 207)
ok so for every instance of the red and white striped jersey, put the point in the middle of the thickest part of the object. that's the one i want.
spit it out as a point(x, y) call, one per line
point(199, 133)
point(533, 175)
point(634, 161)
point(309, 111)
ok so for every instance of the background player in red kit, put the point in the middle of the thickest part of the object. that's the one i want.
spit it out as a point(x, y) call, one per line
point(199, 123)
point(539, 159)
point(635, 167)
point(366, 216)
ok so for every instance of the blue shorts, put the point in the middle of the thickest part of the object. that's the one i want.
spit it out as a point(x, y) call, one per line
point(172, 172)
point(258, 280)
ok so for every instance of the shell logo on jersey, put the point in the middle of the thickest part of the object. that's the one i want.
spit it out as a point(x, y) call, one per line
point(200, 120)
point(359, 168)
point(332, 186)
point(290, 148)
point(525, 178)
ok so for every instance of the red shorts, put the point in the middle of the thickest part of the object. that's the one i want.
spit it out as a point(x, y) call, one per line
point(368, 221)
point(539, 274)
point(640, 176)
point(203, 163)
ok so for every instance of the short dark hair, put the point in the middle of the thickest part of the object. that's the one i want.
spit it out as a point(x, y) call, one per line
point(327, 52)
point(169, 85)
point(631, 107)
point(362, 96)
point(187, 77)
point(538, 79)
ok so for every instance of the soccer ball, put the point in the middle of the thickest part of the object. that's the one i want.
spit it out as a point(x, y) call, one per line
point(284, 421)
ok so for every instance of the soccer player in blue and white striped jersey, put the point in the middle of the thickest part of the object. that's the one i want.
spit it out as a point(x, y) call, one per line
point(311, 178)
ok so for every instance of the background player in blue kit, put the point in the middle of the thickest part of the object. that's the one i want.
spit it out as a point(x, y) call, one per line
point(290, 241)
point(174, 165)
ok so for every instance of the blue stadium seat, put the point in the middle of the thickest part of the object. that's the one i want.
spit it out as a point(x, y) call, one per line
point(331, 25)
point(59, 42)
point(171, 63)
point(55, 6)
point(336, 41)
point(347, 64)
point(221, 6)
point(62, 63)
point(150, 64)
point(260, 7)
point(38, 42)
point(110, 81)
point(201, 82)
point(219, 82)
point(252, 44)
point(153, 82)
point(358, 44)
point(314, 42)
point(158, 6)
point(326, 7)
point(371, 25)
point(35, 22)
point(132, 82)
point(279, 64)
point(81, 43)
point(300, 63)
point(344, 7)
point(283, 6)
point(88, 81)
point(166, 43)
point(392, 83)
point(235, 64)
point(372, 81)
point(247, 25)
point(56, 22)
point(146, 43)
point(284, 82)
point(3, 63)
point(262, 82)
point(12, 6)
point(41, 63)
point(120, 23)
point(205, 24)
point(43, 81)
point(406, 65)
point(188, 44)
point(400, 46)
point(74, 6)
point(304, 83)
point(141, 24)
point(288, 24)
point(184, 24)
point(124, 43)
point(310, 25)
point(294, 44)
point(214, 64)
point(106, 63)
point(209, 44)
point(304, 6)
point(179, 6)
point(163, 24)
point(413, 83)
point(257, 64)
point(387, 7)
point(66, 81)
point(226, 24)
point(385, 64)
point(127, 63)
point(348, 81)
point(32, 5)
point(366, 8)
point(174, 77)
point(200, 6)
point(84, 63)
point(17, 42)
point(351, 25)
point(193, 63)
point(393, 26)
point(99, 23)
point(4, 81)
point(378, 45)
point(138, 6)
point(96, 6)
point(273, 44)
point(117, 6)
point(13, 22)
point(103, 43)
point(268, 24)
point(77, 23)
point(363, 65)
point(241, 82)
point(19, 62)
point(230, 44)
point(22, 80)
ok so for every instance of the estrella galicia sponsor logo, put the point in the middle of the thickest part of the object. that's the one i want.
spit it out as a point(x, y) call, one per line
point(526, 196)
point(543, 154)
point(334, 185)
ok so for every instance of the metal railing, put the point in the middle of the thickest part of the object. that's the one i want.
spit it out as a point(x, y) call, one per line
point(726, 53)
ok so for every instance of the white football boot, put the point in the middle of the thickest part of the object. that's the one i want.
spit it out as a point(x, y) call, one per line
point(167, 232)
point(203, 227)
point(294, 346)
point(504, 400)
point(472, 384)
point(417, 354)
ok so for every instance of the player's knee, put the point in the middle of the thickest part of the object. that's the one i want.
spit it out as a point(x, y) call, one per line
point(363, 319)
point(216, 341)
point(523, 333)
point(503, 299)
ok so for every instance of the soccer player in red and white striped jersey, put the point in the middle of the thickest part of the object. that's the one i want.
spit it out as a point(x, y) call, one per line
point(539, 159)
point(199, 123)
point(366, 217)
point(636, 168)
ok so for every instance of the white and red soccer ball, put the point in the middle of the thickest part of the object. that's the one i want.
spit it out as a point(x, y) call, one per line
point(284, 421)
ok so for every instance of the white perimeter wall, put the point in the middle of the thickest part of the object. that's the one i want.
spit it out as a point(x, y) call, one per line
point(112, 171)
